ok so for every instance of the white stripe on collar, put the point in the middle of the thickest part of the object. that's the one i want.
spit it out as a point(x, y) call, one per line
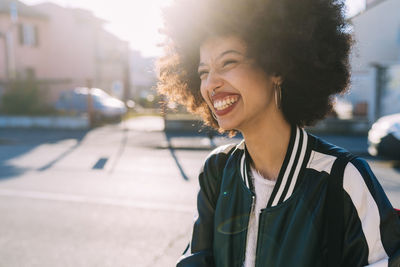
point(288, 169)
point(242, 168)
point(299, 164)
point(243, 173)
point(295, 158)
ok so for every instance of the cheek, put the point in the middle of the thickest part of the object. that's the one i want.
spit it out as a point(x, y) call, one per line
point(255, 89)
point(244, 77)
point(203, 92)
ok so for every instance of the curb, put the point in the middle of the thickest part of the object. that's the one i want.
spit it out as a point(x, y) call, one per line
point(51, 122)
point(326, 126)
point(337, 126)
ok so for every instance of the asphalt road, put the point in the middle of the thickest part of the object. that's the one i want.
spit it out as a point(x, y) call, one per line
point(119, 195)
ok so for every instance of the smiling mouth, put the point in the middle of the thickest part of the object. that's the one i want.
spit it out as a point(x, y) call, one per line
point(226, 102)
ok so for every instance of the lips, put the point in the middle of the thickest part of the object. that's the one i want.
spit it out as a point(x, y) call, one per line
point(224, 102)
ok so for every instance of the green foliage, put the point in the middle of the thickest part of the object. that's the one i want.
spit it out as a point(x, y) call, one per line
point(24, 97)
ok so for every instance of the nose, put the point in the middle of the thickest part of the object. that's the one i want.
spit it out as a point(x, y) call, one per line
point(214, 81)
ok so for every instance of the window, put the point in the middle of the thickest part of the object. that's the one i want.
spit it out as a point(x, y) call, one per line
point(28, 35)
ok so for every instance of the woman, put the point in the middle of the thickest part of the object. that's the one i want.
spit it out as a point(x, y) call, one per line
point(282, 197)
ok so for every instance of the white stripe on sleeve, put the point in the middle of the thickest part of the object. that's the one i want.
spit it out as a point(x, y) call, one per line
point(368, 213)
point(381, 263)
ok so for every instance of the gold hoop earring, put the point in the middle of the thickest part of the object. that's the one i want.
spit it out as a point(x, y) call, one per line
point(278, 95)
point(213, 114)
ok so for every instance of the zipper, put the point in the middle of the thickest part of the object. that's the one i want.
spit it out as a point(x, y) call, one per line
point(258, 236)
point(245, 239)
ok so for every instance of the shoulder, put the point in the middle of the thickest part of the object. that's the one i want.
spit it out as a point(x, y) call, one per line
point(369, 213)
point(359, 181)
point(362, 186)
point(212, 170)
point(324, 154)
point(217, 158)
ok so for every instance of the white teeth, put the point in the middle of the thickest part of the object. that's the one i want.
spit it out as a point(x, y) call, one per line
point(223, 104)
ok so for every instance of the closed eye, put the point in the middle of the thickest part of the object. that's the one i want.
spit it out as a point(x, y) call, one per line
point(202, 73)
point(227, 62)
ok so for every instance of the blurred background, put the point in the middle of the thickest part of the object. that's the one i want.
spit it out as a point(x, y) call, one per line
point(96, 171)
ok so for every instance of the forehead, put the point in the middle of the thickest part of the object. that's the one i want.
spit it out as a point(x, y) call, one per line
point(213, 47)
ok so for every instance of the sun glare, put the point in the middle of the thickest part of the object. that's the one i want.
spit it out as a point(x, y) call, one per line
point(138, 21)
point(135, 21)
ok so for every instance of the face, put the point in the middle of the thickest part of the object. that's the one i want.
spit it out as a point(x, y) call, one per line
point(238, 92)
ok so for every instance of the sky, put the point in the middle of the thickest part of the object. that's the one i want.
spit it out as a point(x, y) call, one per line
point(138, 21)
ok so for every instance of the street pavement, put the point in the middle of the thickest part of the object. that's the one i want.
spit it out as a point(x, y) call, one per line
point(117, 195)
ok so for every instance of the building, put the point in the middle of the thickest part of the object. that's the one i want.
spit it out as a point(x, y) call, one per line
point(68, 48)
point(21, 49)
point(377, 47)
point(377, 34)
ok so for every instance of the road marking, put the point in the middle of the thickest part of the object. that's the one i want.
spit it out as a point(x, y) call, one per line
point(100, 164)
point(96, 200)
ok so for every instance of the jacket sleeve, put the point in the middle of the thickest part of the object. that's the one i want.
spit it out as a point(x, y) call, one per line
point(200, 250)
point(372, 228)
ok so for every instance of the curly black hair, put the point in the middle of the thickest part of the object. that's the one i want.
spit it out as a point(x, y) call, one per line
point(305, 42)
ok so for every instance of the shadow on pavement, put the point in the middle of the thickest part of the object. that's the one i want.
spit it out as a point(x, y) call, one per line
point(185, 140)
point(396, 166)
point(121, 149)
point(172, 152)
point(16, 142)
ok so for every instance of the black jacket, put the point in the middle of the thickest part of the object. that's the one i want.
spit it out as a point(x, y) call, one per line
point(292, 229)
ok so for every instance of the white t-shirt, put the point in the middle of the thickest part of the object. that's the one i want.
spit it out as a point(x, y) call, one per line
point(263, 190)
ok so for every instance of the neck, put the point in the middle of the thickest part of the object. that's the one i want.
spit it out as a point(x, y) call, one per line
point(267, 145)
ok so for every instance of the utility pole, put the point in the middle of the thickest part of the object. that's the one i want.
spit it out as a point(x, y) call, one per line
point(398, 41)
point(10, 41)
point(380, 72)
point(6, 68)
point(90, 110)
point(127, 80)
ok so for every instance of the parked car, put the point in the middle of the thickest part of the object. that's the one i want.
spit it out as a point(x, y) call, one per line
point(105, 106)
point(384, 137)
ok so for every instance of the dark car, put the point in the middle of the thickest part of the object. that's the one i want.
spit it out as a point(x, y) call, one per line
point(384, 137)
point(105, 106)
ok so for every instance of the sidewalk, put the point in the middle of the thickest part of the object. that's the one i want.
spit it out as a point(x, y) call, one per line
point(356, 144)
point(46, 122)
point(195, 140)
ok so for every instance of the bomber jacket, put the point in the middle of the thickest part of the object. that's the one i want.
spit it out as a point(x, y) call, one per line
point(292, 228)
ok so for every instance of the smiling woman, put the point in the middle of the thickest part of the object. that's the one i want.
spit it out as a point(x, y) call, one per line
point(281, 197)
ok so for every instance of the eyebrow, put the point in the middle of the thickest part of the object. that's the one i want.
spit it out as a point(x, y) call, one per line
point(223, 54)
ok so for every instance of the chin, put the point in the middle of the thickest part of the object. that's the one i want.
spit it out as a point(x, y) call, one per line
point(227, 125)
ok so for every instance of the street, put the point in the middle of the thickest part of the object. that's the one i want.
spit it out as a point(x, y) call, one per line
point(117, 195)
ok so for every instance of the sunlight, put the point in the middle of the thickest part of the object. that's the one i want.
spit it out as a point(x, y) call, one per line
point(138, 21)
point(134, 21)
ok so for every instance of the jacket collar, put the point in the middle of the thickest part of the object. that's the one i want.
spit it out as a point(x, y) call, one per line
point(296, 158)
